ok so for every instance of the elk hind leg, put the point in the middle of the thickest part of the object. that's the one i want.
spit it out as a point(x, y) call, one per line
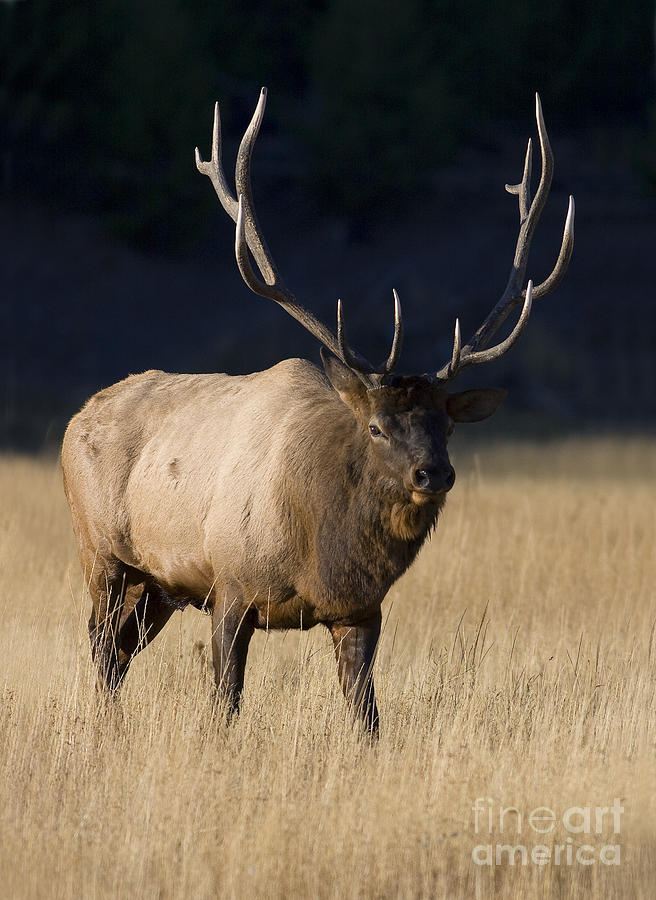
point(142, 624)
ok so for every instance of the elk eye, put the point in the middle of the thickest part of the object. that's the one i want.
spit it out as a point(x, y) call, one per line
point(375, 431)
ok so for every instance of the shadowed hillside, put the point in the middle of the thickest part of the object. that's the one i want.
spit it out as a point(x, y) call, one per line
point(80, 309)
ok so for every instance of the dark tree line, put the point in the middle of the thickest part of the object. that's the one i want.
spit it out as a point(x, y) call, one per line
point(101, 103)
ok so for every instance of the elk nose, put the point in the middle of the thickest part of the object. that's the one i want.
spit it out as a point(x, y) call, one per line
point(427, 480)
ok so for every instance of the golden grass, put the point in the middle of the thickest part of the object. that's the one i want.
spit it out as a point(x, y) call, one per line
point(518, 663)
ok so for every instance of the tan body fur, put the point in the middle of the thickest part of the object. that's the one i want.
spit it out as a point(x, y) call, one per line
point(240, 496)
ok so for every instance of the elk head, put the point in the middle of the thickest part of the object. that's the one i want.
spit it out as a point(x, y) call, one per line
point(406, 420)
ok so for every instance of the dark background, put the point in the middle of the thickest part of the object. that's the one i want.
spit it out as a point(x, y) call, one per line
point(390, 132)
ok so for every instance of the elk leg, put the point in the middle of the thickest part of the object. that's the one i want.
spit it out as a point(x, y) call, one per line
point(107, 589)
point(355, 650)
point(149, 615)
point(233, 625)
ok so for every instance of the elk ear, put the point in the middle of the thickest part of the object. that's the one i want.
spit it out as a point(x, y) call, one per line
point(472, 406)
point(344, 380)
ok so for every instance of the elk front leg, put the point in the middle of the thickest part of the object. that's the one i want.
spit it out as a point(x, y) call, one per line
point(355, 650)
point(233, 624)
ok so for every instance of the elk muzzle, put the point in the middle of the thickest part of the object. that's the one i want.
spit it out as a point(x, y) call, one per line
point(426, 481)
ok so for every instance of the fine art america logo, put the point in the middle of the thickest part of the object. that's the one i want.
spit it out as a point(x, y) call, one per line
point(580, 829)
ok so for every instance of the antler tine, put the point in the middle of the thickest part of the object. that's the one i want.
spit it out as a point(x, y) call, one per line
point(552, 281)
point(454, 365)
point(256, 242)
point(523, 189)
point(530, 212)
point(397, 341)
point(214, 169)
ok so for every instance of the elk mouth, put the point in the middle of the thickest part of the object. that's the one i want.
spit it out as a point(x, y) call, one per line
point(422, 498)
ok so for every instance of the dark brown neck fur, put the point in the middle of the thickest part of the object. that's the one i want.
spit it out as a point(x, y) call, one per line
point(379, 529)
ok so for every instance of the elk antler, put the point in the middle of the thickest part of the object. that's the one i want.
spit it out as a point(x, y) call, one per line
point(529, 213)
point(248, 237)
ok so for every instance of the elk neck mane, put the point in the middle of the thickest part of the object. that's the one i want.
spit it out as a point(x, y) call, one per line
point(370, 503)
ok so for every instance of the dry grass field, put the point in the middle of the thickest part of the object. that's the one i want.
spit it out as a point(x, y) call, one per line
point(517, 669)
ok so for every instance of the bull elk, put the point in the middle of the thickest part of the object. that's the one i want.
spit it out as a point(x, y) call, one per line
point(282, 499)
